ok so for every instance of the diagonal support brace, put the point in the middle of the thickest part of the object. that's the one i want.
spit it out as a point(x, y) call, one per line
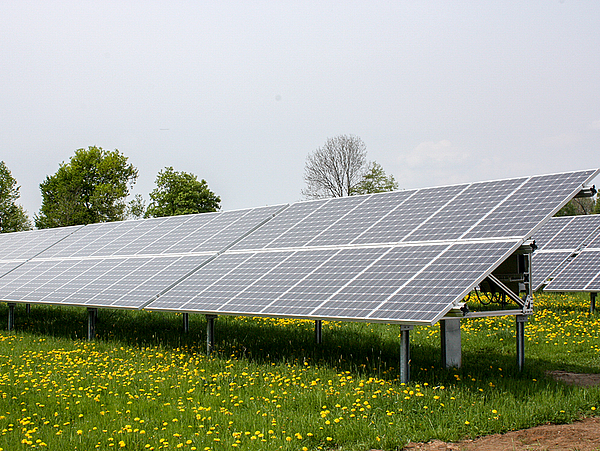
point(526, 304)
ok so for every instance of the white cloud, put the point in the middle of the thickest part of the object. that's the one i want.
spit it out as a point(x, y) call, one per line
point(433, 153)
point(562, 140)
point(595, 125)
point(435, 163)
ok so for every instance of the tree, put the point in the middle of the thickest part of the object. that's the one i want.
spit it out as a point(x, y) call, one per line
point(340, 168)
point(375, 180)
point(580, 206)
point(336, 169)
point(91, 187)
point(180, 193)
point(13, 217)
point(136, 208)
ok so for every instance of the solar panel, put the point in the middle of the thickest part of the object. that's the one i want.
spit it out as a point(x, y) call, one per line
point(405, 256)
point(577, 232)
point(550, 230)
point(558, 241)
point(18, 247)
point(544, 265)
point(25, 245)
point(526, 209)
point(429, 295)
point(464, 211)
point(126, 264)
point(407, 217)
point(594, 243)
point(581, 274)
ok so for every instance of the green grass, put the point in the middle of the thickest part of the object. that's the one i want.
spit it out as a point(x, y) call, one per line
point(146, 385)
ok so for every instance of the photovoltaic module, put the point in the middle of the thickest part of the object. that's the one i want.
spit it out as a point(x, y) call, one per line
point(406, 256)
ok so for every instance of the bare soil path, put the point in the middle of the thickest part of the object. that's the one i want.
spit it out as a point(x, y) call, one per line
point(583, 435)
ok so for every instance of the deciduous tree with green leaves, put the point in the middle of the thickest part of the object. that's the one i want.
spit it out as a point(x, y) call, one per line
point(580, 206)
point(13, 217)
point(375, 180)
point(136, 207)
point(180, 193)
point(91, 187)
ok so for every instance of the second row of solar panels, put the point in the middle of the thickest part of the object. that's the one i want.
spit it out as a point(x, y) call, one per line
point(582, 273)
point(206, 232)
point(558, 242)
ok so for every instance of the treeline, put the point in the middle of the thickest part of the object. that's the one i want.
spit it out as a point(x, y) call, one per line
point(94, 185)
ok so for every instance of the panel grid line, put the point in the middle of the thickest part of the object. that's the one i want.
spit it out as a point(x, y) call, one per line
point(337, 221)
point(385, 216)
point(300, 222)
point(261, 277)
point(414, 276)
point(350, 281)
point(549, 242)
point(493, 209)
point(303, 279)
point(439, 211)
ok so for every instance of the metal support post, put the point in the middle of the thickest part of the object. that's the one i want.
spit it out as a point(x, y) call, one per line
point(592, 302)
point(186, 322)
point(11, 316)
point(318, 332)
point(451, 343)
point(405, 353)
point(521, 320)
point(28, 308)
point(210, 333)
point(92, 317)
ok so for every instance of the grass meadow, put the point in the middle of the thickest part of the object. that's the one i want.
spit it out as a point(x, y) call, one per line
point(144, 384)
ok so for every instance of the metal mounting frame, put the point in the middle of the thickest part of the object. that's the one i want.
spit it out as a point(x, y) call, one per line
point(526, 304)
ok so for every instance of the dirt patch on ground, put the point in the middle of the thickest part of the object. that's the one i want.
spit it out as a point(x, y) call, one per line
point(582, 435)
point(583, 380)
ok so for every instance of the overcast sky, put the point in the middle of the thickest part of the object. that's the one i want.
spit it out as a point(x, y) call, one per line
point(239, 93)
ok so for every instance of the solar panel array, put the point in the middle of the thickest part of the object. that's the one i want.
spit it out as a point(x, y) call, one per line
point(558, 241)
point(126, 264)
point(405, 256)
point(581, 273)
